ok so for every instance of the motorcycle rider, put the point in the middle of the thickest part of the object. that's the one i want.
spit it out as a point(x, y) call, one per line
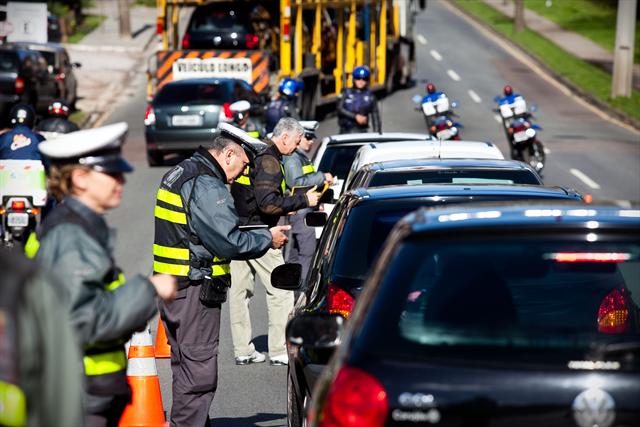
point(432, 94)
point(21, 142)
point(241, 118)
point(357, 103)
point(57, 121)
point(284, 104)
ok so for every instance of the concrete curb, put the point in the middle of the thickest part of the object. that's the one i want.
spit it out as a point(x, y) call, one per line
point(586, 96)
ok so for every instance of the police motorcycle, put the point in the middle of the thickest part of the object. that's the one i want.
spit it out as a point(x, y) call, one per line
point(438, 112)
point(23, 195)
point(521, 132)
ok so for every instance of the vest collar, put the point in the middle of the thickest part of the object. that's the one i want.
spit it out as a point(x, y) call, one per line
point(204, 156)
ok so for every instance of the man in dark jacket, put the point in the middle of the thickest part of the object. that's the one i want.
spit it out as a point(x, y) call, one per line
point(196, 236)
point(261, 200)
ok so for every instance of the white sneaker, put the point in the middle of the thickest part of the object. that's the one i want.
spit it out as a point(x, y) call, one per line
point(254, 357)
point(279, 360)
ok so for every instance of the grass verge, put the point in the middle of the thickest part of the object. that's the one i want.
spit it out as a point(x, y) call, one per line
point(585, 76)
point(90, 23)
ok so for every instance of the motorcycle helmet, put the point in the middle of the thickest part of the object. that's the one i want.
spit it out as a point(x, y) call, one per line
point(290, 87)
point(58, 108)
point(22, 114)
point(431, 88)
point(361, 72)
point(507, 90)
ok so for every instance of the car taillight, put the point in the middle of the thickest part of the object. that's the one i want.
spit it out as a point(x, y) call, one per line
point(19, 85)
point(18, 205)
point(588, 256)
point(339, 301)
point(226, 107)
point(251, 40)
point(159, 26)
point(186, 41)
point(613, 314)
point(355, 399)
point(149, 116)
point(60, 77)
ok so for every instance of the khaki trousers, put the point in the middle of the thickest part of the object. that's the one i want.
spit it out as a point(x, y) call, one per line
point(279, 304)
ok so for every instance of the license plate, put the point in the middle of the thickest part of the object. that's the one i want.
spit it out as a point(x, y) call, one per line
point(445, 134)
point(18, 220)
point(520, 136)
point(187, 120)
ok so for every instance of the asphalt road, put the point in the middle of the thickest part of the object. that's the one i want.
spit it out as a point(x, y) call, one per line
point(472, 70)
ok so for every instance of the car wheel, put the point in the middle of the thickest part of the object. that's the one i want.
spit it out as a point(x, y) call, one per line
point(155, 158)
point(295, 416)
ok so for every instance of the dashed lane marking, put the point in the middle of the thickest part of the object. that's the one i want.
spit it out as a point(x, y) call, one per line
point(422, 39)
point(453, 75)
point(474, 96)
point(435, 55)
point(584, 178)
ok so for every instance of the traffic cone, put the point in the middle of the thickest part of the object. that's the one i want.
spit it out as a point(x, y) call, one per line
point(145, 408)
point(163, 349)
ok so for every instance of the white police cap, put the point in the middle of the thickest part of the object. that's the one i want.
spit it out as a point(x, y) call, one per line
point(310, 127)
point(251, 145)
point(99, 148)
point(241, 106)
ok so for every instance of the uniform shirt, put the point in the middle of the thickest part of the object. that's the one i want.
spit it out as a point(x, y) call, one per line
point(294, 174)
point(20, 143)
point(279, 108)
point(354, 101)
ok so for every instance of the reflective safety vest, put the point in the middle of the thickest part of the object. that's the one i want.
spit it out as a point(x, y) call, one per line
point(307, 169)
point(102, 359)
point(245, 178)
point(171, 253)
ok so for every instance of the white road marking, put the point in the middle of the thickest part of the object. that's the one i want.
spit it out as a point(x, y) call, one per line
point(453, 75)
point(422, 39)
point(498, 118)
point(584, 178)
point(475, 96)
point(435, 55)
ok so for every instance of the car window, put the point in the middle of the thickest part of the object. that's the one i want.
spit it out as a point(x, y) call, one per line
point(50, 57)
point(193, 93)
point(212, 20)
point(337, 159)
point(8, 62)
point(453, 176)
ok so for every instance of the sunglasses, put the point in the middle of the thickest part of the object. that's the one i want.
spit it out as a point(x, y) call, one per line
point(360, 78)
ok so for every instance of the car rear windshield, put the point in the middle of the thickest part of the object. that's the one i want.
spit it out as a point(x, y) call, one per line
point(337, 159)
point(193, 93)
point(8, 62)
point(219, 20)
point(514, 293)
point(453, 176)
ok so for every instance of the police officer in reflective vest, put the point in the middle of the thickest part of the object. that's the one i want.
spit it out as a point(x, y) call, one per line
point(74, 242)
point(357, 105)
point(300, 172)
point(196, 236)
point(242, 119)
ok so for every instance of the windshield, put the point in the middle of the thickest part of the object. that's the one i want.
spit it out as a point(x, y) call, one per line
point(8, 62)
point(514, 293)
point(193, 94)
point(337, 160)
point(453, 176)
point(218, 20)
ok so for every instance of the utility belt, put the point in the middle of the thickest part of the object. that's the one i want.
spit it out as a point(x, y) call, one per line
point(213, 290)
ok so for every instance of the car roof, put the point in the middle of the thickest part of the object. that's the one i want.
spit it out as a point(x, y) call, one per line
point(204, 80)
point(452, 190)
point(365, 138)
point(533, 213)
point(416, 164)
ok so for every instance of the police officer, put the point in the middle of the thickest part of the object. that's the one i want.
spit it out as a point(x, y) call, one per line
point(260, 198)
point(285, 104)
point(300, 172)
point(242, 118)
point(358, 104)
point(40, 379)
point(21, 142)
point(196, 236)
point(76, 244)
point(57, 121)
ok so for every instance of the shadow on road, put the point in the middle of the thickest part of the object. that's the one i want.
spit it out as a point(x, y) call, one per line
point(249, 421)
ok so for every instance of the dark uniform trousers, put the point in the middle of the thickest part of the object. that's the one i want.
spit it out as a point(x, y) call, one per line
point(302, 244)
point(193, 331)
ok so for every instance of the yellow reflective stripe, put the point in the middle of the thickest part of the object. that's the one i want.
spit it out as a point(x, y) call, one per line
point(169, 252)
point(105, 363)
point(13, 405)
point(220, 270)
point(307, 169)
point(171, 216)
point(32, 245)
point(173, 269)
point(244, 180)
point(254, 134)
point(283, 185)
point(116, 283)
point(169, 197)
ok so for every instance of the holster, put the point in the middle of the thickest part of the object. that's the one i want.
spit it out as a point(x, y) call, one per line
point(213, 290)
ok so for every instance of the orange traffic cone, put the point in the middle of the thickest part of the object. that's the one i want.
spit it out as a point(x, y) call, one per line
point(163, 349)
point(145, 408)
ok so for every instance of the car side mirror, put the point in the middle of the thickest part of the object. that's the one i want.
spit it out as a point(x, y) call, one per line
point(287, 277)
point(315, 219)
point(315, 331)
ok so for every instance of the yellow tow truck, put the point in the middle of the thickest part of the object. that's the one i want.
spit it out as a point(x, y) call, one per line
point(317, 41)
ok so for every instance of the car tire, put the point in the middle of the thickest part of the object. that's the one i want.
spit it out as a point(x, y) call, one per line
point(295, 415)
point(155, 158)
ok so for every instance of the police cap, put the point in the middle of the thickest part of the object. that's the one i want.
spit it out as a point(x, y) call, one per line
point(310, 127)
point(251, 145)
point(100, 148)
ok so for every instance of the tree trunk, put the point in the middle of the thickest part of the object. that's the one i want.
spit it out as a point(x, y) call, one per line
point(518, 21)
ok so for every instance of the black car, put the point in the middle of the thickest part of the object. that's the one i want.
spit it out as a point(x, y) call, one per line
point(350, 242)
point(490, 315)
point(443, 171)
point(184, 113)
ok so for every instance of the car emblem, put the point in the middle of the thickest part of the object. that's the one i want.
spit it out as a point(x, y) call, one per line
point(594, 408)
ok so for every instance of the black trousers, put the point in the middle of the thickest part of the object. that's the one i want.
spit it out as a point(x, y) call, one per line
point(110, 416)
point(193, 331)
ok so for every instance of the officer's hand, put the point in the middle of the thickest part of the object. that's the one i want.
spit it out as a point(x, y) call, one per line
point(361, 119)
point(166, 286)
point(278, 238)
point(329, 178)
point(313, 196)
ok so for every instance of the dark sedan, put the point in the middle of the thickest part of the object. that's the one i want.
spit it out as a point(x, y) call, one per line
point(184, 114)
point(355, 231)
point(490, 316)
